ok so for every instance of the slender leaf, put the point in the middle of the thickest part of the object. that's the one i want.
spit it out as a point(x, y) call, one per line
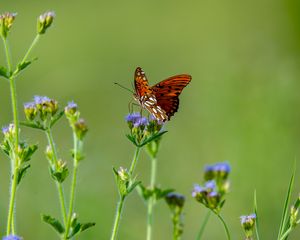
point(57, 117)
point(21, 173)
point(32, 125)
point(286, 206)
point(257, 219)
point(152, 138)
point(3, 72)
point(22, 65)
point(58, 227)
point(85, 226)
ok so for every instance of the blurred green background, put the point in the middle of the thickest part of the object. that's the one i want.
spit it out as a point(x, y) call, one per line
point(242, 106)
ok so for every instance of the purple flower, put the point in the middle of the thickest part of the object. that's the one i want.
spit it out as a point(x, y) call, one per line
point(5, 130)
point(136, 120)
point(210, 185)
point(197, 189)
point(142, 121)
point(248, 219)
point(222, 167)
point(71, 108)
point(175, 199)
point(12, 237)
point(213, 194)
point(41, 99)
point(132, 117)
point(29, 105)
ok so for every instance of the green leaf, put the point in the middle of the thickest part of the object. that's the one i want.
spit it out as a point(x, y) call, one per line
point(85, 226)
point(3, 72)
point(32, 125)
point(159, 193)
point(28, 152)
point(59, 174)
point(56, 117)
point(152, 138)
point(132, 139)
point(54, 223)
point(22, 65)
point(132, 186)
point(285, 214)
point(257, 219)
point(21, 172)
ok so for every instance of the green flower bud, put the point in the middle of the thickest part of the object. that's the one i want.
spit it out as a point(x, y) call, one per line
point(44, 21)
point(30, 111)
point(123, 174)
point(80, 128)
point(6, 22)
point(294, 215)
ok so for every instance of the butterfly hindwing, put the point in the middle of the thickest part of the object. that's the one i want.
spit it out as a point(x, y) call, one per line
point(167, 91)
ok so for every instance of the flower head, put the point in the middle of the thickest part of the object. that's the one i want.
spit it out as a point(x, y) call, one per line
point(248, 223)
point(218, 170)
point(44, 21)
point(175, 200)
point(71, 108)
point(30, 110)
point(80, 128)
point(9, 131)
point(6, 22)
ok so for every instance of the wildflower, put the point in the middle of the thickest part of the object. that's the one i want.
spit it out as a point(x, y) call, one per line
point(30, 111)
point(44, 21)
point(71, 108)
point(80, 128)
point(123, 174)
point(12, 237)
point(6, 21)
point(248, 223)
point(9, 131)
point(218, 170)
point(175, 200)
point(136, 120)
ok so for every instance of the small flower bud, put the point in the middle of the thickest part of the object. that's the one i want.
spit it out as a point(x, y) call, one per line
point(123, 174)
point(294, 216)
point(71, 109)
point(80, 128)
point(30, 111)
point(175, 200)
point(44, 21)
point(248, 224)
point(59, 171)
point(6, 21)
point(9, 131)
point(49, 153)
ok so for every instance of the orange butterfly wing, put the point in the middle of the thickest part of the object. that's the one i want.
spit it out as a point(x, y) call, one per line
point(141, 83)
point(167, 92)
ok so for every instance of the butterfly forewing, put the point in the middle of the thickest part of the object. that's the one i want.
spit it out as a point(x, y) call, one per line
point(142, 87)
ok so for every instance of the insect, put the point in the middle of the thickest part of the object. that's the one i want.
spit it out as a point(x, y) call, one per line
point(161, 100)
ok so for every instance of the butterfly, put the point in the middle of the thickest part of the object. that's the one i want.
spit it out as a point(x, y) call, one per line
point(161, 100)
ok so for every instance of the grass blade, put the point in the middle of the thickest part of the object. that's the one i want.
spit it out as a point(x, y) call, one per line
point(286, 206)
point(257, 218)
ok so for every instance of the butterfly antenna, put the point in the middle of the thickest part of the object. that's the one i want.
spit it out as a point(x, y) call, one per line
point(124, 87)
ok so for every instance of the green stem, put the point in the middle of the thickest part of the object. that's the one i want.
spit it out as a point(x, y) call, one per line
point(7, 53)
point(151, 199)
point(287, 232)
point(74, 179)
point(225, 226)
point(34, 42)
point(117, 218)
point(58, 184)
point(15, 160)
point(122, 198)
point(204, 223)
point(134, 160)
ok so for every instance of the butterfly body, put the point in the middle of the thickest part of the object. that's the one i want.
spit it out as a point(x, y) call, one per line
point(161, 100)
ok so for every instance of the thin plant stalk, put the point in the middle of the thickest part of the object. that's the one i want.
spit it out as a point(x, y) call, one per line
point(288, 231)
point(151, 199)
point(203, 225)
point(15, 162)
point(117, 218)
point(224, 224)
point(122, 198)
point(34, 42)
point(58, 184)
point(73, 186)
